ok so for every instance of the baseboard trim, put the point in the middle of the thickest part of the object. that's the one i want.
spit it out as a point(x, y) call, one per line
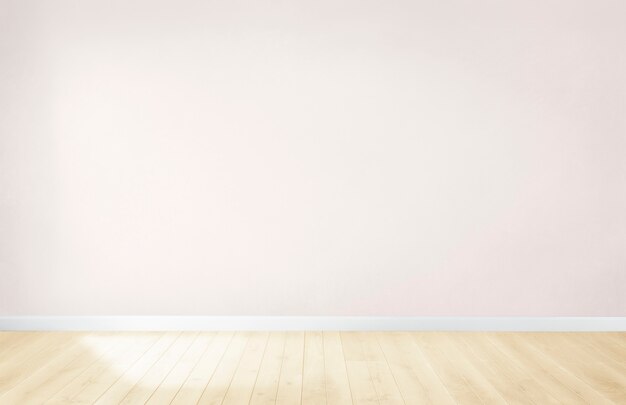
point(365, 323)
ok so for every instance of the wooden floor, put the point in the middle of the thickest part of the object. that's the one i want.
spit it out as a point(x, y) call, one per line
point(312, 368)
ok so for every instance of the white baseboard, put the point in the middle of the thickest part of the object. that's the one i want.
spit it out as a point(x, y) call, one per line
point(365, 323)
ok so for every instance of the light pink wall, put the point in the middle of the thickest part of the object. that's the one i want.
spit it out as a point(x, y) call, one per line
point(313, 157)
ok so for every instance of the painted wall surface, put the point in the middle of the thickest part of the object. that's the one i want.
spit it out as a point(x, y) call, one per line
point(347, 157)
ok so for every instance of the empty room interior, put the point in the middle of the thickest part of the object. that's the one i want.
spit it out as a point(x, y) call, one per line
point(312, 202)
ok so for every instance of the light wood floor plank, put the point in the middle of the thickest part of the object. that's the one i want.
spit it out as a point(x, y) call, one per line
point(359, 377)
point(364, 348)
point(94, 381)
point(313, 380)
point(605, 379)
point(217, 387)
point(461, 378)
point(34, 355)
point(51, 378)
point(244, 380)
point(117, 369)
point(14, 343)
point(361, 384)
point(290, 383)
point(416, 380)
point(143, 389)
point(336, 374)
point(383, 368)
point(191, 390)
point(384, 382)
point(598, 346)
point(169, 387)
point(455, 381)
point(266, 386)
point(352, 346)
point(118, 391)
point(562, 384)
point(514, 384)
point(616, 337)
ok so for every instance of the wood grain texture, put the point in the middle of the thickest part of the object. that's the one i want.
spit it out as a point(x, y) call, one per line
point(312, 368)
